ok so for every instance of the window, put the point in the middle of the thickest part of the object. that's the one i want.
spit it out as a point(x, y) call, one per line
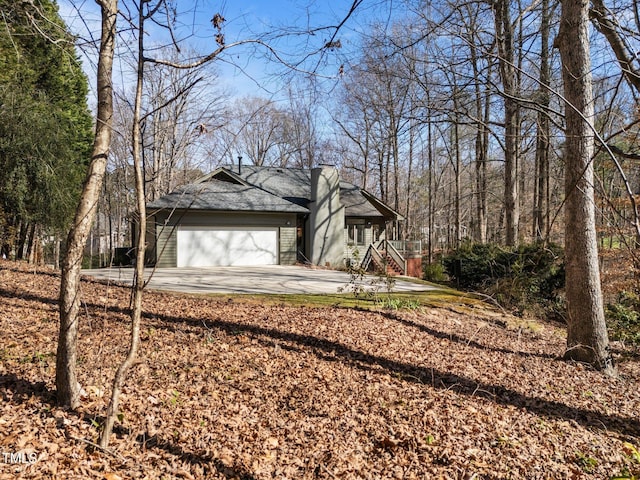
point(355, 234)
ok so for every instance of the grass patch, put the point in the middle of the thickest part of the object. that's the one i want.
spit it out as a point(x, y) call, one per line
point(437, 298)
point(440, 297)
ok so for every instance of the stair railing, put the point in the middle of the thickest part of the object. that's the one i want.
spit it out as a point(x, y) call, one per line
point(374, 255)
point(393, 253)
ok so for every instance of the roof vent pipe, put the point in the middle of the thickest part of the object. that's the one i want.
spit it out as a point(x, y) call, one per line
point(239, 164)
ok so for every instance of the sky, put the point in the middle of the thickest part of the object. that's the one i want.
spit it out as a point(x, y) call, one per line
point(244, 70)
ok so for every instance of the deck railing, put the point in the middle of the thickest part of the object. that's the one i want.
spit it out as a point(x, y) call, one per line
point(407, 246)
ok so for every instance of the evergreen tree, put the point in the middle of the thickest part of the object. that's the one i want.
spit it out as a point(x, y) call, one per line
point(45, 125)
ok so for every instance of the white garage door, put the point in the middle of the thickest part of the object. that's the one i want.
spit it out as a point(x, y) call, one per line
point(210, 247)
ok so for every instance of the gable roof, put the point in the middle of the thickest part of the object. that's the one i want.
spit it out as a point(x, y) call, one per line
point(292, 184)
point(222, 195)
point(357, 203)
point(267, 189)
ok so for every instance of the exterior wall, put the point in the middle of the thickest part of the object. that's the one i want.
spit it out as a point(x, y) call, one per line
point(368, 236)
point(166, 247)
point(371, 226)
point(350, 248)
point(150, 252)
point(288, 245)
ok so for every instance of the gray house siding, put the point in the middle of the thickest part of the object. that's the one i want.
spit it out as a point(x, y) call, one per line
point(166, 248)
point(349, 246)
point(166, 244)
point(288, 246)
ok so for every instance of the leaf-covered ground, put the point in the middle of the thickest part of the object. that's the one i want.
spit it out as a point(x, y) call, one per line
point(228, 389)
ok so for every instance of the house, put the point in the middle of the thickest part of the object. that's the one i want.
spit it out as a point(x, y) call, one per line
point(250, 215)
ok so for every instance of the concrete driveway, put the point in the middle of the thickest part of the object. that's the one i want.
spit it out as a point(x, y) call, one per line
point(275, 279)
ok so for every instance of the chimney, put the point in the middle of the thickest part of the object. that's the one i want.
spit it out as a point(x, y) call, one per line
point(326, 219)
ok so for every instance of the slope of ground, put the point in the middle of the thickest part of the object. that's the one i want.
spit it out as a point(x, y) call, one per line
point(227, 389)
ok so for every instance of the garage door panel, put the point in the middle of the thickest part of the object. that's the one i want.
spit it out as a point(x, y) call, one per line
point(201, 247)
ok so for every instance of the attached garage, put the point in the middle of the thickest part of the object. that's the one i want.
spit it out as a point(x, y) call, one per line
point(208, 239)
point(229, 246)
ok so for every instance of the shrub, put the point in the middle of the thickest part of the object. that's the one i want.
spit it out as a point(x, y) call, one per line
point(623, 318)
point(433, 272)
point(91, 261)
point(472, 265)
point(528, 277)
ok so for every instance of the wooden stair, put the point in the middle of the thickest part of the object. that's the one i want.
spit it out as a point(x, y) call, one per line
point(392, 266)
point(383, 259)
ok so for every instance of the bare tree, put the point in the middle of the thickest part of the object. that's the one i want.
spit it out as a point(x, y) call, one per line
point(138, 284)
point(355, 124)
point(482, 112)
point(301, 145)
point(377, 99)
point(508, 76)
point(587, 339)
point(255, 130)
point(147, 11)
point(68, 389)
point(611, 27)
point(179, 108)
point(620, 28)
point(541, 200)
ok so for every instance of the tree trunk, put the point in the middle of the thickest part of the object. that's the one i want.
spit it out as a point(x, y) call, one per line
point(456, 163)
point(430, 209)
point(56, 253)
point(381, 182)
point(456, 170)
point(587, 339)
point(504, 34)
point(481, 150)
point(138, 279)
point(607, 24)
point(541, 193)
point(68, 389)
point(23, 237)
point(30, 244)
point(408, 209)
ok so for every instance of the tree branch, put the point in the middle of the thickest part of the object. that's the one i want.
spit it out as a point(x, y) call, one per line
point(608, 27)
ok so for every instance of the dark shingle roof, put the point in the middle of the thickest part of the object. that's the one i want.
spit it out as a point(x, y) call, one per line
point(266, 189)
point(220, 195)
point(283, 182)
point(294, 184)
point(356, 204)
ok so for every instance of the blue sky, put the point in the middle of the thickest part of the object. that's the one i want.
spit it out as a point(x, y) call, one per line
point(246, 70)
